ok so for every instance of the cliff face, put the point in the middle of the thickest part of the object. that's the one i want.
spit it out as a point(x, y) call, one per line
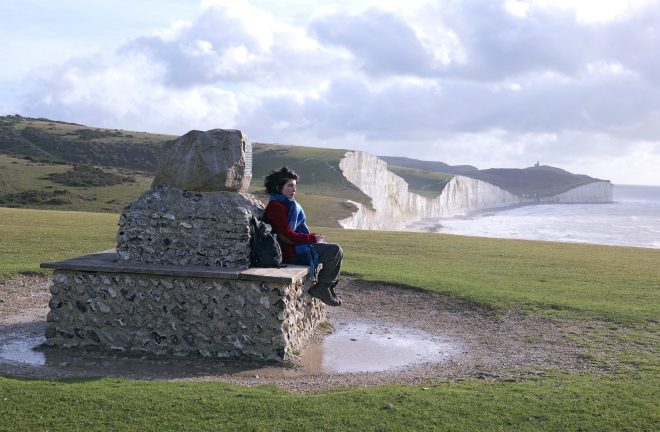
point(394, 206)
point(596, 192)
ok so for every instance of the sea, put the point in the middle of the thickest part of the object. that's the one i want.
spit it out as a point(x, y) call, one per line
point(632, 219)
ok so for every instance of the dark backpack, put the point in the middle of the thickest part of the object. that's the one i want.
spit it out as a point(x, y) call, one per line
point(265, 251)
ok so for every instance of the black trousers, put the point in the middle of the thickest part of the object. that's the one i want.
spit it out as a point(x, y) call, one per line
point(330, 257)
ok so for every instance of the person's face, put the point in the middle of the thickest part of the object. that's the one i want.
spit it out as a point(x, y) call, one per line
point(289, 189)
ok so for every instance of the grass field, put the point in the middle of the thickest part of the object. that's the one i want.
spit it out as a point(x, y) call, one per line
point(17, 175)
point(59, 141)
point(619, 286)
point(561, 403)
point(29, 237)
point(21, 175)
point(323, 191)
point(560, 279)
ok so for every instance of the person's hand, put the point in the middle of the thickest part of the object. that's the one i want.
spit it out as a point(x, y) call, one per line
point(319, 238)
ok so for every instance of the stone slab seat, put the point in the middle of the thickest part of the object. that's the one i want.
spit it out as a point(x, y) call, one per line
point(102, 303)
point(107, 261)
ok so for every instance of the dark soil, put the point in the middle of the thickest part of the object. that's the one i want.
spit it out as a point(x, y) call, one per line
point(497, 345)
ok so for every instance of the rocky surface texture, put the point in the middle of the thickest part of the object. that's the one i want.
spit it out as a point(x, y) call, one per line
point(180, 316)
point(169, 226)
point(394, 206)
point(174, 286)
point(500, 345)
point(216, 160)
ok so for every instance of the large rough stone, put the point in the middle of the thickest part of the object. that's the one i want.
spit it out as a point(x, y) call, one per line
point(215, 160)
point(169, 226)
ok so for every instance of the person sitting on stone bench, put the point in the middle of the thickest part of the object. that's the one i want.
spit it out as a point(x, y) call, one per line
point(299, 246)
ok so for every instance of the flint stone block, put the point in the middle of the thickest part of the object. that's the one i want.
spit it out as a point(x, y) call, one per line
point(205, 313)
point(211, 161)
point(191, 228)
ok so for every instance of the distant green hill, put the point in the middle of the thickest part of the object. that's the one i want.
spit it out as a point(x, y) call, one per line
point(74, 143)
point(27, 183)
point(433, 166)
point(57, 150)
point(422, 182)
point(541, 181)
point(40, 151)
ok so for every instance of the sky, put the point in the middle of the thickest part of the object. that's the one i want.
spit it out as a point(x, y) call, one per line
point(494, 84)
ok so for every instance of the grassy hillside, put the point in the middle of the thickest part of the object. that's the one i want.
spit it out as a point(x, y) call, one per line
point(323, 190)
point(33, 184)
point(614, 285)
point(536, 181)
point(54, 149)
point(318, 168)
point(75, 144)
point(423, 182)
point(433, 166)
point(42, 185)
point(539, 181)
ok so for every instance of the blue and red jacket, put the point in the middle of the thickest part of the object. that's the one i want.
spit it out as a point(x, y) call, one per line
point(277, 215)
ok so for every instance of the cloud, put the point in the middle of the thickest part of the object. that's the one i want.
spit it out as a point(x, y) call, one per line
point(215, 47)
point(233, 42)
point(125, 91)
point(484, 83)
point(381, 42)
point(480, 41)
point(422, 108)
point(491, 41)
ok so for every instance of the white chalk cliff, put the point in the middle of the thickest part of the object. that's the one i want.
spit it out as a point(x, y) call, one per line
point(596, 192)
point(394, 206)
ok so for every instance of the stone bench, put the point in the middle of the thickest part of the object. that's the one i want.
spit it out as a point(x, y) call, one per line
point(101, 303)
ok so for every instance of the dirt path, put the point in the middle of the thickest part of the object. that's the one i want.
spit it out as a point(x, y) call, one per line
point(507, 345)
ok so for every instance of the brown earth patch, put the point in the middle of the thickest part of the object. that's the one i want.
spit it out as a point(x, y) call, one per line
point(496, 345)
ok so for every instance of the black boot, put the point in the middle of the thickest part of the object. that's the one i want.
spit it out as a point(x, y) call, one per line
point(322, 292)
point(332, 290)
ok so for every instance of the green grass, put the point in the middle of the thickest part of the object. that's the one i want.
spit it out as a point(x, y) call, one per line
point(562, 403)
point(559, 279)
point(58, 141)
point(322, 202)
point(542, 181)
point(617, 284)
point(20, 175)
point(321, 185)
point(30, 237)
point(426, 183)
point(325, 210)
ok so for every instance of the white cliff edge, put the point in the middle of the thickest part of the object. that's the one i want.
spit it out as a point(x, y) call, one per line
point(394, 206)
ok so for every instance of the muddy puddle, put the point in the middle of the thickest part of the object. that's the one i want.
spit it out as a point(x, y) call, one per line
point(355, 346)
point(372, 346)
